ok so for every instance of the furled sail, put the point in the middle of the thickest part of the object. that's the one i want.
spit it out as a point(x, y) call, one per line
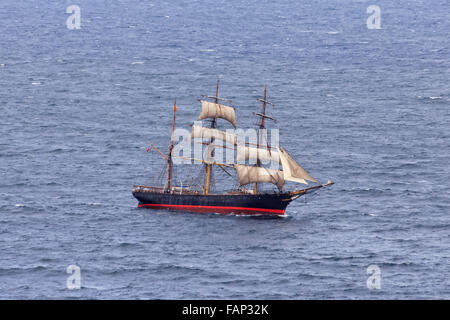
point(216, 110)
point(292, 170)
point(249, 174)
point(207, 133)
point(249, 153)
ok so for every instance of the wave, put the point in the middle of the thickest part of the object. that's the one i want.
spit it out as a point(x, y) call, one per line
point(18, 269)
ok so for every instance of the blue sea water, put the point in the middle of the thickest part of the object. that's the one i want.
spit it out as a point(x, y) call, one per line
point(366, 108)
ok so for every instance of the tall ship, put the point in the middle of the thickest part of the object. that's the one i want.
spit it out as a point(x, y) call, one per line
point(258, 172)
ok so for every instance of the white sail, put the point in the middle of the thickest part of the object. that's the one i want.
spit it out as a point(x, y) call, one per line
point(216, 110)
point(292, 170)
point(249, 174)
point(207, 133)
point(249, 153)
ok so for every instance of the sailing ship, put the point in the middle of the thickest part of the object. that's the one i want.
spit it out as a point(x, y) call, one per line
point(249, 198)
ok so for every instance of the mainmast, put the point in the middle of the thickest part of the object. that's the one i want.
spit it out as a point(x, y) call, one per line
point(213, 126)
point(261, 127)
point(169, 158)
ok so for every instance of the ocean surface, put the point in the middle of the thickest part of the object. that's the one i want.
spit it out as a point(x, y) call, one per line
point(366, 108)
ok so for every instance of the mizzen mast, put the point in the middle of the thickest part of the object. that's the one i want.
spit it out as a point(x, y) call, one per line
point(169, 158)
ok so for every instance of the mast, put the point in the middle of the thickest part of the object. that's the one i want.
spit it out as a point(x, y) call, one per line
point(169, 158)
point(213, 125)
point(261, 126)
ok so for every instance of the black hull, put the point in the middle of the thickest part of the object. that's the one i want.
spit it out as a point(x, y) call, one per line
point(248, 204)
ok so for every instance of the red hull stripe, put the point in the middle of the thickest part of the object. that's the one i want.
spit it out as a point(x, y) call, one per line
point(212, 208)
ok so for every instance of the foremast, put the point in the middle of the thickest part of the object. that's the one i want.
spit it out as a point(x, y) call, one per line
point(291, 170)
point(246, 174)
